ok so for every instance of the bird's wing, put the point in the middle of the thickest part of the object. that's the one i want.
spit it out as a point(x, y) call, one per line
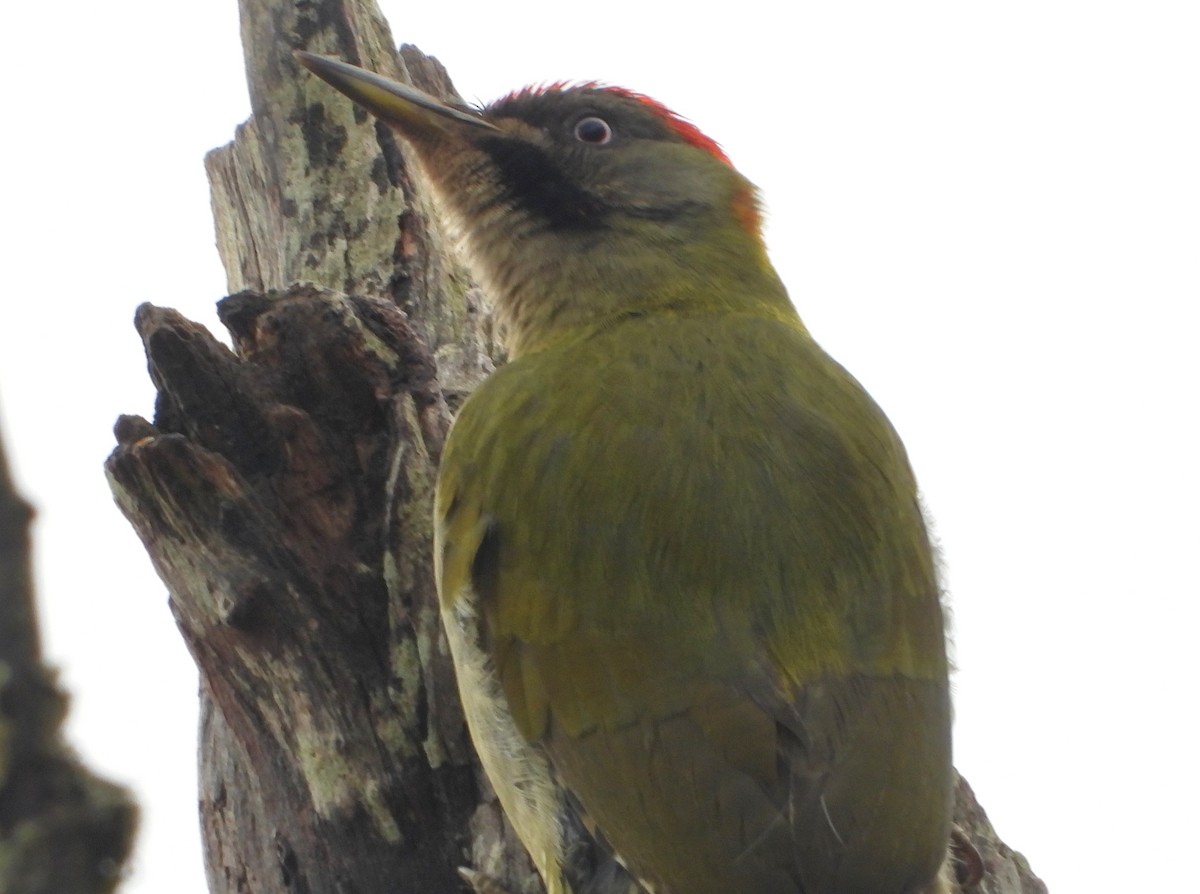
point(719, 619)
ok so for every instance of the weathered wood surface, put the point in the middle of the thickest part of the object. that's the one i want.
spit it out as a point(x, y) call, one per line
point(284, 491)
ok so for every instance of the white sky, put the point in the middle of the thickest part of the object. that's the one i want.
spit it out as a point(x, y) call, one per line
point(989, 212)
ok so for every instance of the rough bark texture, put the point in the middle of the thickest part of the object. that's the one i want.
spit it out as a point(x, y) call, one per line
point(1001, 870)
point(284, 491)
point(62, 829)
point(284, 494)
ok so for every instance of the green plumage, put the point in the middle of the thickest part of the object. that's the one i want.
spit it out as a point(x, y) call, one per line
point(684, 574)
point(709, 595)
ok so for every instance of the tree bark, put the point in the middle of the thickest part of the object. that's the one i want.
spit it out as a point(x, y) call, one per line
point(284, 492)
point(63, 830)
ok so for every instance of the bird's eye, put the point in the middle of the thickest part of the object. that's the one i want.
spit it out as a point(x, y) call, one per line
point(593, 130)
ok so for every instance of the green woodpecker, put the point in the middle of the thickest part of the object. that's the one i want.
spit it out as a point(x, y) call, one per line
point(683, 570)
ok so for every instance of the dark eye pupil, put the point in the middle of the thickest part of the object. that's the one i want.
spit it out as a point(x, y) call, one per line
point(593, 130)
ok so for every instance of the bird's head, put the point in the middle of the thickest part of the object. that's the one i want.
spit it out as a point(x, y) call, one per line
point(579, 205)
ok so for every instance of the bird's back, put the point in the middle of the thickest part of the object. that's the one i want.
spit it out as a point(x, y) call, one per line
point(703, 580)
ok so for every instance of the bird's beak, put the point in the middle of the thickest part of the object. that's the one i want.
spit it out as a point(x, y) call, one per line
point(415, 113)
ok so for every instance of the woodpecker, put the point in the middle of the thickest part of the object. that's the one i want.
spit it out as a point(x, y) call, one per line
point(683, 570)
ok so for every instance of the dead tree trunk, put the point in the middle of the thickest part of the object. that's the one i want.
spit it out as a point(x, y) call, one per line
point(62, 829)
point(284, 491)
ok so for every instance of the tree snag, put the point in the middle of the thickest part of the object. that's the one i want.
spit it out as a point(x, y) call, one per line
point(284, 493)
